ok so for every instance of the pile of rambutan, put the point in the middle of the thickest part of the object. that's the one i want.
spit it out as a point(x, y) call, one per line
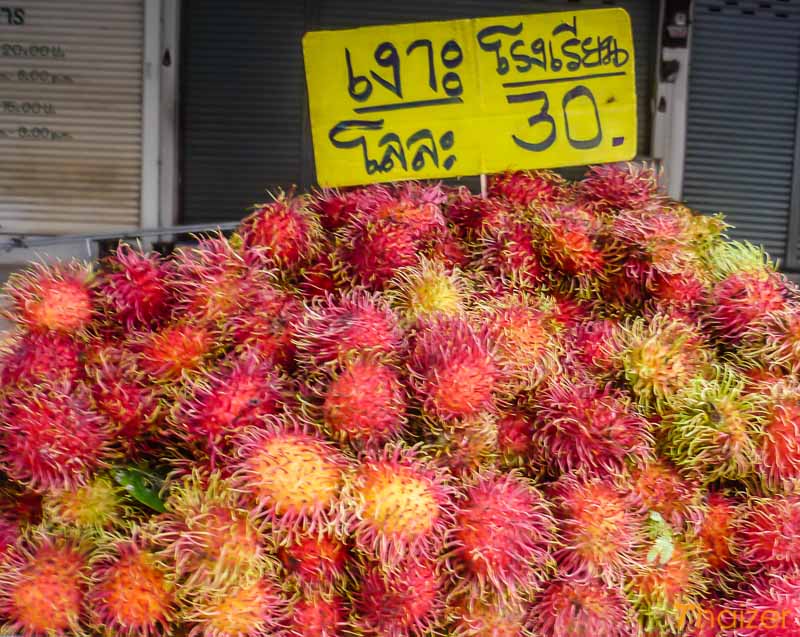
point(554, 410)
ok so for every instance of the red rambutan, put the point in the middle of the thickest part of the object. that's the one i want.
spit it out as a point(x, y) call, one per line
point(465, 445)
point(357, 322)
point(224, 401)
point(56, 298)
point(42, 587)
point(502, 536)
point(398, 506)
point(35, 357)
point(363, 401)
point(51, 438)
point(131, 594)
point(285, 231)
point(662, 489)
point(398, 604)
point(453, 370)
point(529, 188)
point(293, 477)
point(133, 286)
point(715, 531)
point(768, 607)
point(571, 607)
point(315, 560)
point(768, 534)
point(473, 215)
point(610, 188)
point(489, 618)
point(584, 427)
point(780, 444)
point(9, 533)
point(570, 241)
point(175, 350)
point(375, 250)
point(772, 342)
point(515, 438)
point(317, 616)
point(594, 346)
point(601, 528)
point(510, 251)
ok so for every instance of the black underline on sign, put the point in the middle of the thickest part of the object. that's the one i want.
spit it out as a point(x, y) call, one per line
point(562, 79)
point(416, 104)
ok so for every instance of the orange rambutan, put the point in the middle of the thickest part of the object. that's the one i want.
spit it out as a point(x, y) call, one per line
point(291, 476)
point(489, 618)
point(715, 531)
point(661, 488)
point(315, 561)
point(398, 506)
point(131, 593)
point(52, 298)
point(177, 349)
point(454, 373)
point(43, 585)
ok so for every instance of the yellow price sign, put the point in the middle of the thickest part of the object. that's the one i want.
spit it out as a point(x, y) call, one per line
point(463, 97)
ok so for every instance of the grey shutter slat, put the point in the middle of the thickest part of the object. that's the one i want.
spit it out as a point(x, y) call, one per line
point(241, 104)
point(90, 179)
point(744, 79)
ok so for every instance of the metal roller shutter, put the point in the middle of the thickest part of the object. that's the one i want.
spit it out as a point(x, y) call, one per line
point(743, 96)
point(243, 100)
point(70, 115)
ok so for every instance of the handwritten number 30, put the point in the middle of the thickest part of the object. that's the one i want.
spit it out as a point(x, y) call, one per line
point(544, 117)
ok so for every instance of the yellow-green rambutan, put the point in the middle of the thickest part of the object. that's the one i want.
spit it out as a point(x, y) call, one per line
point(206, 537)
point(96, 506)
point(398, 506)
point(131, 594)
point(291, 477)
point(52, 298)
point(601, 528)
point(502, 537)
point(659, 357)
point(427, 289)
point(43, 586)
point(454, 373)
point(715, 428)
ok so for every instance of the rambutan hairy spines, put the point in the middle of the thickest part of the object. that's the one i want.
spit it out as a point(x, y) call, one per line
point(595, 345)
point(425, 290)
point(489, 618)
point(316, 562)
point(30, 358)
point(715, 427)
point(772, 342)
point(207, 537)
point(96, 506)
point(529, 188)
point(404, 603)
point(398, 506)
point(779, 460)
point(568, 607)
point(226, 400)
point(362, 401)
point(242, 609)
point(715, 531)
point(131, 594)
point(356, 322)
point(52, 298)
point(587, 428)
point(175, 350)
point(767, 536)
point(286, 232)
point(43, 586)
point(292, 477)
point(601, 527)
point(661, 488)
point(665, 585)
point(134, 286)
point(510, 252)
point(610, 188)
point(51, 438)
point(316, 615)
point(373, 251)
point(772, 604)
point(453, 370)
point(466, 445)
point(502, 537)
point(659, 357)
